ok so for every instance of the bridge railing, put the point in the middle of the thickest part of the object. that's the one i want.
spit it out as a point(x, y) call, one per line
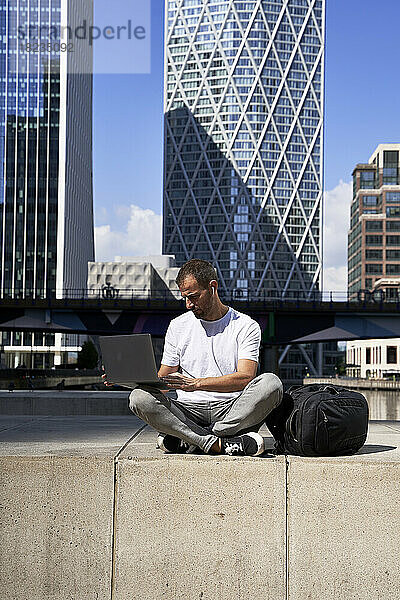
point(24, 372)
point(109, 292)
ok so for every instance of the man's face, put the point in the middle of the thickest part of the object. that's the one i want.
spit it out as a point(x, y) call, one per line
point(198, 299)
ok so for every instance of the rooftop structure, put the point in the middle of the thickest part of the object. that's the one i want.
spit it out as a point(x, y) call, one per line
point(132, 279)
point(159, 261)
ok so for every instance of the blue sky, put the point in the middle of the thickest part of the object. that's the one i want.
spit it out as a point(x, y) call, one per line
point(361, 82)
point(361, 110)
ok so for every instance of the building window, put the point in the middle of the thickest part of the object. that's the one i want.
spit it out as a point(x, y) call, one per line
point(373, 226)
point(392, 225)
point(390, 163)
point(367, 180)
point(373, 254)
point(373, 240)
point(367, 175)
point(393, 211)
point(370, 200)
point(368, 356)
point(389, 175)
point(374, 268)
point(391, 355)
point(17, 338)
point(392, 294)
point(390, 157)
point(392, 269)
point(393, 254)
point(393, 240)
point(393, 197)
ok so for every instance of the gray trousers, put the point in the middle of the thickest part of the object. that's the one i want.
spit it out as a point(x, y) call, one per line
point(202, 424)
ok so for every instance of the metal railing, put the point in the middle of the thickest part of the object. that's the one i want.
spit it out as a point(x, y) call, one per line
point(24, 372)
point(237, 295)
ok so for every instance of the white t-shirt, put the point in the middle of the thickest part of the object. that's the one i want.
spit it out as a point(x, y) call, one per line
point(210, 349)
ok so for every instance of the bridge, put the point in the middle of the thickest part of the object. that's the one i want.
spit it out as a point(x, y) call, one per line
point(283, 321)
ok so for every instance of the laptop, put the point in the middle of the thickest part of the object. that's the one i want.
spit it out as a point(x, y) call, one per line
point(129, 360)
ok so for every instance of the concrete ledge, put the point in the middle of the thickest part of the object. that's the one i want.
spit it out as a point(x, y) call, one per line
point(56, 528)
point(343, 529)
point(200, 527)
point(344, 522)
point(90, 509)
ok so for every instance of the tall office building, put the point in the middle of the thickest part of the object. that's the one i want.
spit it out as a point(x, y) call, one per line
point(374, 255)
point(374, 237)
point(243, 141)
point(46, 199)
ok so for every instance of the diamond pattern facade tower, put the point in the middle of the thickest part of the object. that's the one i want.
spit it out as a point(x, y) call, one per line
point(243, 141)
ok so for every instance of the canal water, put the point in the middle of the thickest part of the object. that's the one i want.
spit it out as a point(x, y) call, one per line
point(384, 405)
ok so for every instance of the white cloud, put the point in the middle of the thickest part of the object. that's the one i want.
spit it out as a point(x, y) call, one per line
point(336, 225)
point(335, 279)
point(102, 214)
point(140, 237)
point(122, 211)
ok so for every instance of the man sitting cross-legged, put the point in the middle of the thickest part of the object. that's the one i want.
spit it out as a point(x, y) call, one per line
point(210, 358)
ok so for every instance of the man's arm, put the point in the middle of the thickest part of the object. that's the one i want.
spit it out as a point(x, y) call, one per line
point(170, 353)
point(234, 382)
point(165, 370)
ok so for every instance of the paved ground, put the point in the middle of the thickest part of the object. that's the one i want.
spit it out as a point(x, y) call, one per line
point(125, 436)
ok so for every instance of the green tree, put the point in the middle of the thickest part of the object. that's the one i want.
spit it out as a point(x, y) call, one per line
point(87, 357)
point(341, 366)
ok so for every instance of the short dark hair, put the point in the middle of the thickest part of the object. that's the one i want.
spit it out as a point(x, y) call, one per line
point(201, 270)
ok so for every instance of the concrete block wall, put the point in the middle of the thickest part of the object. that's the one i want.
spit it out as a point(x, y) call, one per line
point(90, 510)
point(343, 529)
point(209, 529)
point(56, 528)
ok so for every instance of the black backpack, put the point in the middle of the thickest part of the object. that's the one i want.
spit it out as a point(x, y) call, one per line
point(319, 420)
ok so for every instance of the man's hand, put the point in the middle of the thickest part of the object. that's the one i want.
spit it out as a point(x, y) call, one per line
point(177, 381)
point(233, 382)
point(107, 383)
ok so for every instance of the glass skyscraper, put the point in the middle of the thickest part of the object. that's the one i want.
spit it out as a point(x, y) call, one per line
point(46, 200)
point(243, 171)
point(46, 197)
